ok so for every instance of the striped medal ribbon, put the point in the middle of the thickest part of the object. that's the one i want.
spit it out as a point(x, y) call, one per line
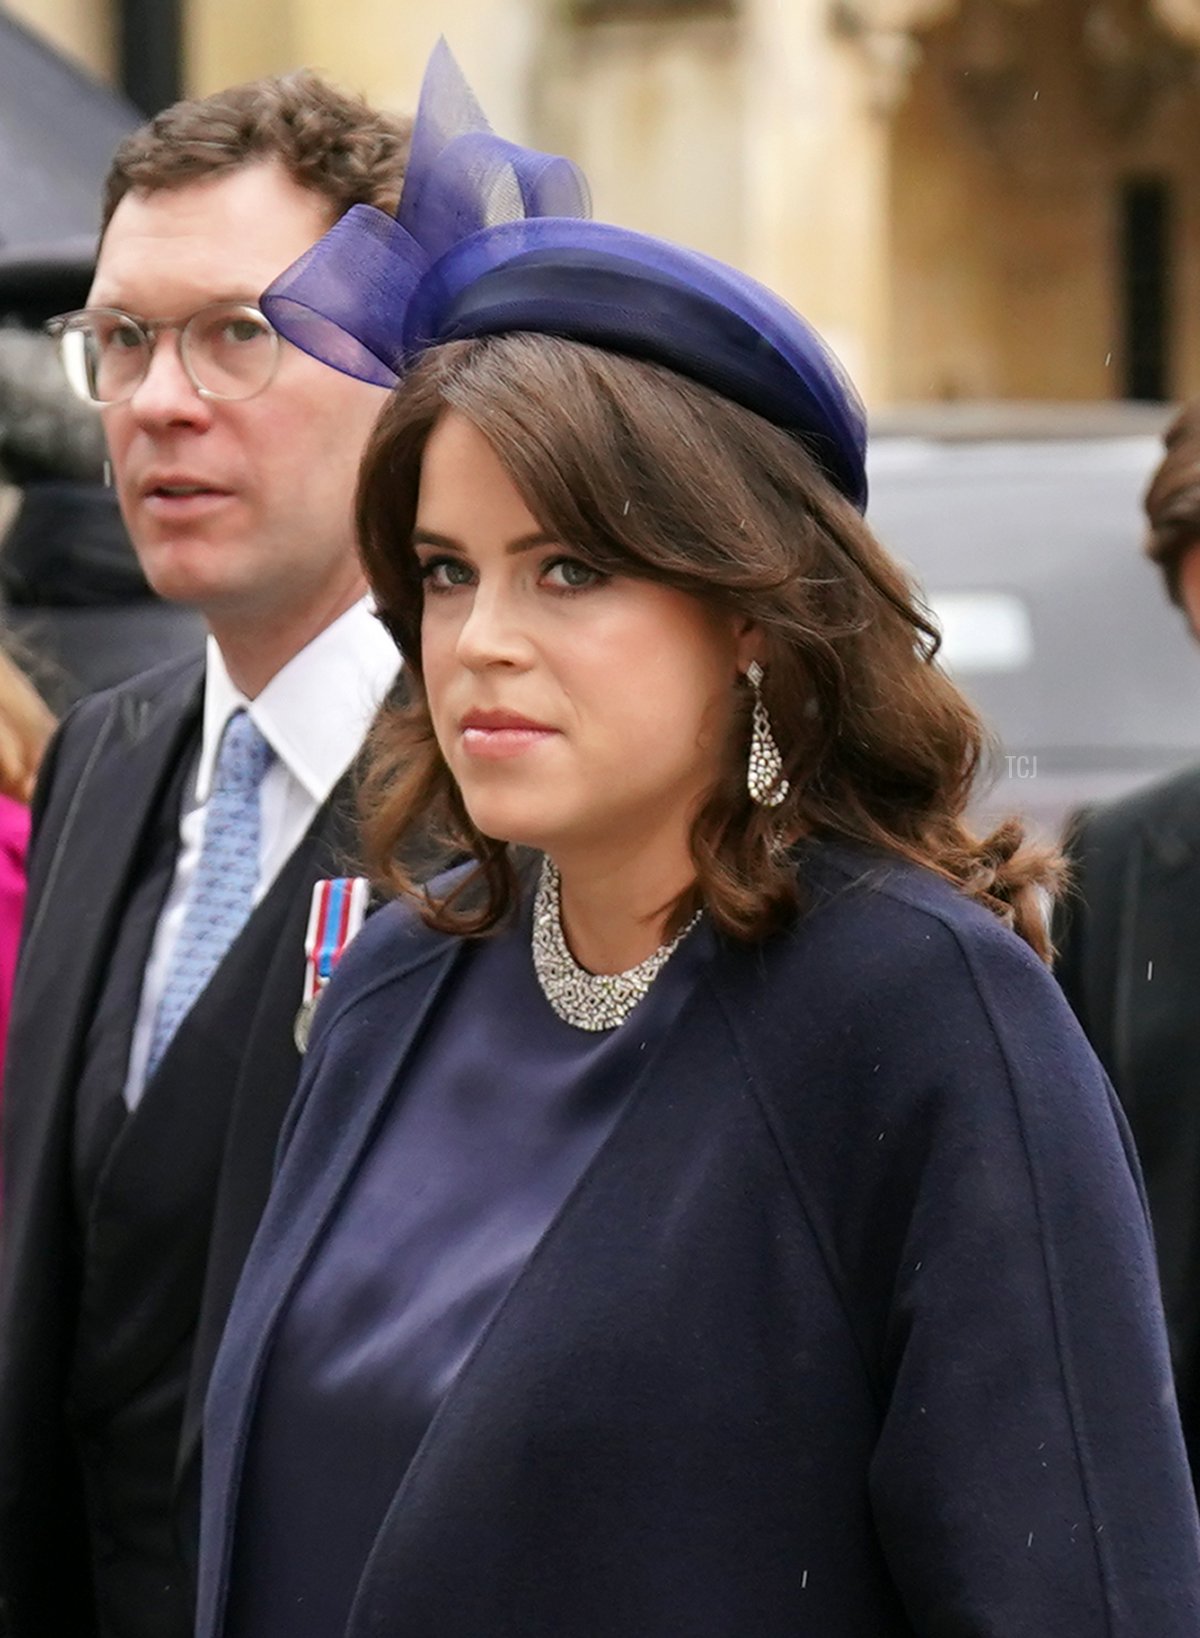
point(339, 907)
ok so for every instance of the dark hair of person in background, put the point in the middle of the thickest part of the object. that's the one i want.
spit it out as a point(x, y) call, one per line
point(1172, 499)
point(74, 598)
point(327, 140)
point(656, 476)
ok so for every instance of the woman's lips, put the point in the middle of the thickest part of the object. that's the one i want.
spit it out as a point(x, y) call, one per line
point(491, 736)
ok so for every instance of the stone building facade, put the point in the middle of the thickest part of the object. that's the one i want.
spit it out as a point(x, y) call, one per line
point(971, 198)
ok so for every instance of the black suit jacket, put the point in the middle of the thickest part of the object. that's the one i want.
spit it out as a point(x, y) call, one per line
point(1129, 940)
point(106, 769)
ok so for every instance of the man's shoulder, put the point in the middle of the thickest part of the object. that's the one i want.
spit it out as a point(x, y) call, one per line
point(1166, 813)
point(170, 688)
point(879, 938)
point(99, 724)
point(163, 683)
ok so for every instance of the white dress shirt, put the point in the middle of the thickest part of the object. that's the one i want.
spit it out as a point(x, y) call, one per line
point(314, 714)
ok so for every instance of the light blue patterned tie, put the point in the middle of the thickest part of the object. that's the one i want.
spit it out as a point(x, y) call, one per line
point(222, 889)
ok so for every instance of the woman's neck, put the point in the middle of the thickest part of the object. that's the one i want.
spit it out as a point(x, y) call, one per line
point(614, 908)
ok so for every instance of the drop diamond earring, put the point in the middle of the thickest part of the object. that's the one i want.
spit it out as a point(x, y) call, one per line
point(764, 772)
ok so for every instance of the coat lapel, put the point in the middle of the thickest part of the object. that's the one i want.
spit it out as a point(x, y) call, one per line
point(303, 1198)
point(307, 1196)
point(575, 1282)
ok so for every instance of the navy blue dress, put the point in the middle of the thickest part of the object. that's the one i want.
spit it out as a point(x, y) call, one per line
point(500, 1112)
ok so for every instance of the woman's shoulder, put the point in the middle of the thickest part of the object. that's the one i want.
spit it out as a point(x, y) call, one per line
point(901, 1037)
point(910, 918)
point(891, 965)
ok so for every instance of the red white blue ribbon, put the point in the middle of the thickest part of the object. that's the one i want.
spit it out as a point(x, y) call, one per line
point(339, 907)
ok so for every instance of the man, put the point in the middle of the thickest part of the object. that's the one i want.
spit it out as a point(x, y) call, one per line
point(1129, 940)
point(181, 822)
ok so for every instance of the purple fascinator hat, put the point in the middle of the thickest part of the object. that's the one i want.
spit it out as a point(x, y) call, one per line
point(491, 238)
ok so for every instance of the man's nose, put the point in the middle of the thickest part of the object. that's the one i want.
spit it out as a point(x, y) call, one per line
point(166, 395)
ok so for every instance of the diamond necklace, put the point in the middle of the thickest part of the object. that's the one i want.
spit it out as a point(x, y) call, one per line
point(591, 1001)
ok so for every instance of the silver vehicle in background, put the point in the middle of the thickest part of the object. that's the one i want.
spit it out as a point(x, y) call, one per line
point(1024, 524)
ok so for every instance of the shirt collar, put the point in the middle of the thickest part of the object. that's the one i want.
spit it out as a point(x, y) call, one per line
point(315, 712)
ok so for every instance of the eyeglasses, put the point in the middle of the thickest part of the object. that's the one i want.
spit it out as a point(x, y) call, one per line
point(229, 350)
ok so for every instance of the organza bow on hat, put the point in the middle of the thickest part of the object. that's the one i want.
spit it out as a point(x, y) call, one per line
point(491, 238)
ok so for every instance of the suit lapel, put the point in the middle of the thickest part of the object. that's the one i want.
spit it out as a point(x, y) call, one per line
point(105, 815)
point(267, 1074)
point(161, 1176)
point(82, 863)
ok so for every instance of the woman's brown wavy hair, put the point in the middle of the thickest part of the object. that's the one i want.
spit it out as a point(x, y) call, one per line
point(643, 472)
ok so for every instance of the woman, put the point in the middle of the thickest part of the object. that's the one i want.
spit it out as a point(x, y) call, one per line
point(701, 1215)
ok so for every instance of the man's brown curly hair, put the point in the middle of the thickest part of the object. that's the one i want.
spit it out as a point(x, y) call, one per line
point(326, 139)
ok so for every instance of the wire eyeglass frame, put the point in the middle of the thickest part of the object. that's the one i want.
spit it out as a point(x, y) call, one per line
point(76, 335)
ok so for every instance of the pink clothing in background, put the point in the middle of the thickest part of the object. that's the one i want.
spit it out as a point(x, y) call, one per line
point(14, 842)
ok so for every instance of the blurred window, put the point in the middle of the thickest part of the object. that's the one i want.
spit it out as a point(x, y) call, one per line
point(982, 630)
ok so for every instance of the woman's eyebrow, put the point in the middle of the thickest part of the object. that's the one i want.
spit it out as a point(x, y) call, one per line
point(522, 543)
point(527, 543)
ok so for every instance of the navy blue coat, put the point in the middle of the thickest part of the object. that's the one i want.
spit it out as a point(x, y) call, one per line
point(850, 1330)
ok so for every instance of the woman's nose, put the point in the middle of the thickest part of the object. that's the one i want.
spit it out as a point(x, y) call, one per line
point(493, 631)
